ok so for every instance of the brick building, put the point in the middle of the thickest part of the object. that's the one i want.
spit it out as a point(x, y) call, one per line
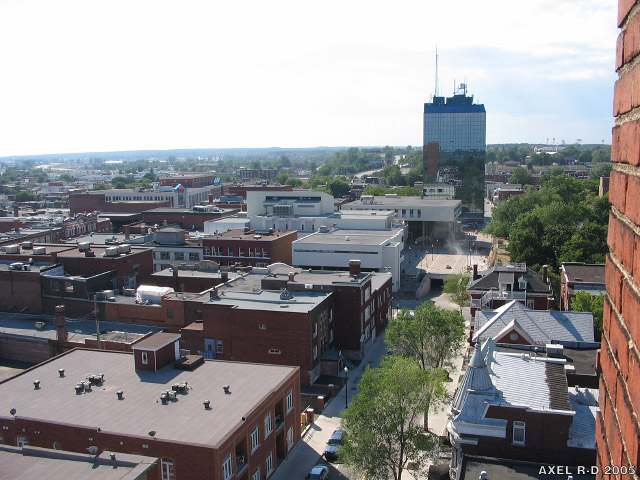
point(189, 180)
point(618, 425)
point(260, 173)
point(201, 419)
point(187, 218)
point(96, 201)
point(249, 247)
point(520, 407)
point(576, 277)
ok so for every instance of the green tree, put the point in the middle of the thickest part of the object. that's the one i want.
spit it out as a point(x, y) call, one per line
point(431, 335)
point(338, 187)
point(25, 197)
point(521, 176)
point(456, 286)
point(585, 302)
point(382, 424)
point(602, 169)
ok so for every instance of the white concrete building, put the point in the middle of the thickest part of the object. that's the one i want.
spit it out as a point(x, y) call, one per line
point(428, 219)
point(178, 196)
point(377, 250)
point(282, 203)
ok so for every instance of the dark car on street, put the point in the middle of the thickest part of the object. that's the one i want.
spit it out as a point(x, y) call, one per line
point(332, 449)
point(319, 472)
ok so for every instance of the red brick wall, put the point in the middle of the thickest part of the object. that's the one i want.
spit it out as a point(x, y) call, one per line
point(81, 202)
point(618, 427)
point(278, 248)
point(21, 291)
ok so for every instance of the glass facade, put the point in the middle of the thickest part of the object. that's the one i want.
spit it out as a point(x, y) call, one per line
point(454, 149)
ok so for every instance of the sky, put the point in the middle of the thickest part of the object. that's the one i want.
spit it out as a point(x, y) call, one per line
point(92, 75)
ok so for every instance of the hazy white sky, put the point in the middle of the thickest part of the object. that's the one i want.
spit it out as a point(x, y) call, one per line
point(93, 75)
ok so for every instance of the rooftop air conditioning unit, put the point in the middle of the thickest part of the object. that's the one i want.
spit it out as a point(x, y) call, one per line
point(39, 251)
point(111, 252)
point(27, 245)
point(15, 266)
point(554, 350)
point(12, 249)
point(124, 248)
point(40, 325)
point(84, 246)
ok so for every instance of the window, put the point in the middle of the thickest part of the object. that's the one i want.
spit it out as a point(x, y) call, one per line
point(219, 348)
point(207, 250)
point(229, 251)
point(269, 464)
point(227, 470)
point(22, 441)
point(164, 255)
point(289, 401)
point(170, 312)
point(167, 470)
point(275, 351)
point(251, 251)
point(315, 352)
point(518, 432)
point(145, 357)
point(241, 251)
point(290, 438)
point(315, 329)
point(265, 253)
point(178, 255)
point(256, 475)
point(268, 426)
point(255, 439)
point(262, 326)
point(194, 257)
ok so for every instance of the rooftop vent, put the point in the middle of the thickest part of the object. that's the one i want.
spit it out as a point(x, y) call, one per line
point(36, 384)
point(120, 394)
point(285, 294)
point(61, 372)
point(226, 389)
point(207, 404)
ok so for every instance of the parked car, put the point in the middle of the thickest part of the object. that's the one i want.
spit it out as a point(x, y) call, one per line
point(332, 449)
point(319, 472)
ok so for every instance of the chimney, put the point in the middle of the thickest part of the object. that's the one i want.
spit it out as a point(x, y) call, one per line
point(54, 258)
point(16, 226)
point(16, 212)
point(211, 198)
point(544, 273)
point(224, 276)
point(127, 232)
point(176, 281)
point(475, 272)
point(292, 276)
point(246, 230)
point(61, 323)
point(354, 267)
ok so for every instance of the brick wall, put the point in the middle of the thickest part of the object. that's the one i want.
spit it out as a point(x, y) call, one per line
point(618, 428)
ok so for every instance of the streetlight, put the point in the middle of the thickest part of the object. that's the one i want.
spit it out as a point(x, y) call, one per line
point(346, 387)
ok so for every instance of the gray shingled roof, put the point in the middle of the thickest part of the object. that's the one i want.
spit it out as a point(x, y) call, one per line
point(541, 326)
point(489, 280)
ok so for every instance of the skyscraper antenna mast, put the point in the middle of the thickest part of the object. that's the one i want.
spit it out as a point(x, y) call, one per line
point(436, 70)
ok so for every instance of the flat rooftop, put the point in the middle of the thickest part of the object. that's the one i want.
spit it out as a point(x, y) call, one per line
point(183, 420)
point(425, 202)
point(254, 236)
point(36, 463)
point(190, 211)
point(346, 237)
point(78, 329)
point(299, 302)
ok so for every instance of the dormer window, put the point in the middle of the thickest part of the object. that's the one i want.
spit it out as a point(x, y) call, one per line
point(522, 283)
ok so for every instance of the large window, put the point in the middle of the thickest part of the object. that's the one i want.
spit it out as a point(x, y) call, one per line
point(289, 401)
point(255, 439)
point(167, 470)
point(518, 432)
point(178, 255)
point(269, 464)
point(268, 425)
point(227, 470)
point(145, 357)
point(256, 475)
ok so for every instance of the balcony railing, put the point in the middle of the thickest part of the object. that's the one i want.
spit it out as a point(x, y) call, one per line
point(497, 295)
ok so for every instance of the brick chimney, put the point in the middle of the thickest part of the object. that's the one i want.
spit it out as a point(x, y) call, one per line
point(475, 272)
point(16, 226)
point(545, 277)
point(54, 258)
point(354, 267)
point(176, 280)
point(61, 323)
point(211, 198)
point(127, 232)
point(292, 276)
point(16, 211)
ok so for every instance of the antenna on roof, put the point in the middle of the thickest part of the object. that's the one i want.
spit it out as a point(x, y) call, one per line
point(436, 70)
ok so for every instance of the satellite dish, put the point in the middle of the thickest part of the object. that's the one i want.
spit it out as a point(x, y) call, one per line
point(92, 449)
point(12, 411)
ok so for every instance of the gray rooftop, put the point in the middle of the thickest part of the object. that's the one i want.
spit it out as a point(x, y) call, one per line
point(38, 463)
point(300, 302)
point(78, 329)
point(183, 420)
point(346, 237)
point(538, 326)
point(582, 433)
point(425, 202)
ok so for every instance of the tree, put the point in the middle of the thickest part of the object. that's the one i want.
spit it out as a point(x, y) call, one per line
point(382, 424)
point(602, 169)
point(520, 176)
point(24, 197)
point(456, 286)
point(585, 302)
point(338, 187)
